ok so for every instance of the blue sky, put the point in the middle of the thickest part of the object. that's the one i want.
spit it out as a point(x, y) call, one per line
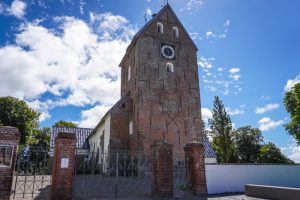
point(62, 56)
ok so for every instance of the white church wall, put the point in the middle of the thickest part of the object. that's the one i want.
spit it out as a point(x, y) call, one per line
point(95, 138)
point(232, 178)
point(210, 160)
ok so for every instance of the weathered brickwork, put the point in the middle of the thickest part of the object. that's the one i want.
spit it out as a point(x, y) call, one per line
point(8, 136)
point(166, 105)
point(194, 154)
point(162, 174)
point(62, 176)
point(120, 118)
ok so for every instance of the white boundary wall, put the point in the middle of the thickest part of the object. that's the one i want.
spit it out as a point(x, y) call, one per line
point(232, 178)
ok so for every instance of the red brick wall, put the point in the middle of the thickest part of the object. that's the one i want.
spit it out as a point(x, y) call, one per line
point(62, 178)
point(165, 105)
point(119, 127)
point(162, 173)
point(8, 136)
point(194, 154)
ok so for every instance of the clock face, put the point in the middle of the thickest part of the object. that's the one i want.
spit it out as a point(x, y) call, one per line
point(168, 51)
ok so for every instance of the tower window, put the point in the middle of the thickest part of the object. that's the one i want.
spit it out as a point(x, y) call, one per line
point(130, 128)
point(175, 32)
point(160, 28)
point(129, 72)
point(170, 67)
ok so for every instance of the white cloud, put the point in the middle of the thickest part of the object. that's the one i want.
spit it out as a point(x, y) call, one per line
point(17, 8)
point(90, 118)
point(206, 114)
point(81, 5)
point(266, 108)
point(194, 35)
point(193, 5)
point(290, 83)
point(220, 69)
point(77, 63)
point(292, 151)
point(148, 12)
point(266, 124)
point(205, 63)
point(234, 70)
point(235, 111)
point(235, 77)
point(215, 35)
point(226, 24)
point(265, 98)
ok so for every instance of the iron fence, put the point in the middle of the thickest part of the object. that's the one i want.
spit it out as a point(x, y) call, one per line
point(32, 177)
point(122, 175)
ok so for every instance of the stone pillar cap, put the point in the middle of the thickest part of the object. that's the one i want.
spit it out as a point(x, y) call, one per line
point(193, 144)
point(9, 130)
point(68, 135)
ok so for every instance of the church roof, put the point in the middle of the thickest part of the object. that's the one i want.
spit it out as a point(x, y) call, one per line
point(81, 135)
point(208, 150)
point(165, 8)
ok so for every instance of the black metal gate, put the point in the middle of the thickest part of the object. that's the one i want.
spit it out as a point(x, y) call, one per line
point(121, 175)
point(32, 177)
point(112, 175)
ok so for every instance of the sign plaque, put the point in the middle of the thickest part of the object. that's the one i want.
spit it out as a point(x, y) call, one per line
point(64, 163)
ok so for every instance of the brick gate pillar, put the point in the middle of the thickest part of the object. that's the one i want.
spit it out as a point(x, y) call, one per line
point(162, 169)
point(63, 166)
point(194, 155)
point(9, 140)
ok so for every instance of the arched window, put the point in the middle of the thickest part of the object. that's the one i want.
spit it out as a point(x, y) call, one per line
point(160, 28)
point(175, 32)
point(129, 72)
point(130, 127)
point(170, 67)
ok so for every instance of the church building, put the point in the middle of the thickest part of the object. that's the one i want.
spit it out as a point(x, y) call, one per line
point(160, 94)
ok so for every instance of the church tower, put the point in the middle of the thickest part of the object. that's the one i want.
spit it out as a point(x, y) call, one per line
point(160, 74)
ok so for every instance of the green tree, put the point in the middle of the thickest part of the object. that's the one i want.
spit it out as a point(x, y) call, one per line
point(221, 127)
point(40, 139)
point(16, 113)
point(270, 153)
point(65, 123)
point(248, 142)
point(292, 105)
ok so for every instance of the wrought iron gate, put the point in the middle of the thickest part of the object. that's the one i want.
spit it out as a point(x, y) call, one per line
point(32, 177)
point(121, 175)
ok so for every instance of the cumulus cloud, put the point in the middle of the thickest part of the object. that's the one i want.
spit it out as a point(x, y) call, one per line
point(205, 63)
point(77, 63)
point(292, 151)
point(234, 70)
point(211, 35)
point(17, 9)
point(227, 22)
point(193, 5)
point(266, 124)
point(148, 12)
point(235, 111)
point(290, 83)
point(266, 108)
point(90, 118)
point(206, 114)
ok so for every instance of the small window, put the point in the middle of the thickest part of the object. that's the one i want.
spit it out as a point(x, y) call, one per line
point(160, 28)
point(6, 155)
point(175, 32)
point(129, 72)
point(170, 67)
point(130, 128)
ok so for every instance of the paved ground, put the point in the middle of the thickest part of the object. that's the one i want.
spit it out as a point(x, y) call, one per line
point(232, 197)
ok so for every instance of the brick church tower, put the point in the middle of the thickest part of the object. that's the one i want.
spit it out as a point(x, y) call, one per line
point(160, 76)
